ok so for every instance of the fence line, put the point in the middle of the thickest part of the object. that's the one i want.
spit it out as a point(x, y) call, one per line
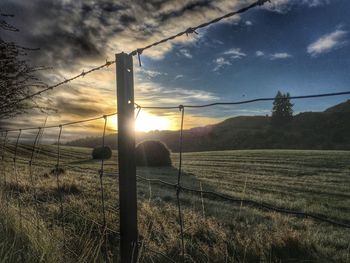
point(33, 152)
point(179, 188)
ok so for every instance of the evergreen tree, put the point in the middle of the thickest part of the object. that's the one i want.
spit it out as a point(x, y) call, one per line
point(282, 111)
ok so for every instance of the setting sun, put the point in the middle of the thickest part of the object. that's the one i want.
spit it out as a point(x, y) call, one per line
point(146, 122)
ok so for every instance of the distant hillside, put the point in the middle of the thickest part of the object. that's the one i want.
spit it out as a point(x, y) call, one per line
point(309, 130)
point(342, 107)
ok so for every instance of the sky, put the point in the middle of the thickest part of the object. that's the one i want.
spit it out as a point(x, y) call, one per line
point(296, 46)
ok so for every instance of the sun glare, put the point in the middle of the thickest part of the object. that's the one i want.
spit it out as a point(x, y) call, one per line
point(145, 122)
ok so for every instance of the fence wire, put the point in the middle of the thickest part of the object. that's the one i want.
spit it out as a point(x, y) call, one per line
point(57, 174)
point(34, 151)
point(179, 188)
point(101, 175)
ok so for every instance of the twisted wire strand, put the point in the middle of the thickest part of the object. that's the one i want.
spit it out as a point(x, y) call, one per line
point(256, 204)
point(66, 81)
point(191, 30)
point(178, 188)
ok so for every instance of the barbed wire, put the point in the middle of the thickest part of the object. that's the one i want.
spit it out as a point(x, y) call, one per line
point(66, 81)
point(139, 51)
point(192, 30)
point(60, 125)
point(319, 95)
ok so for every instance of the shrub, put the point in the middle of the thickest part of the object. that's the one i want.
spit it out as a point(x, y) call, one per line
point(102, 153)
point(152, 153)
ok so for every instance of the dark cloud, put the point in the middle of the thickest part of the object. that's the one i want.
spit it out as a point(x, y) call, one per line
point(70, 31)
point(127, 19)
point(72, 34)
point(76, 107)
point(188, 7)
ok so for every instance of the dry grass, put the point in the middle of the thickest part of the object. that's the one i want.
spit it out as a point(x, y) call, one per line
point(215, 231)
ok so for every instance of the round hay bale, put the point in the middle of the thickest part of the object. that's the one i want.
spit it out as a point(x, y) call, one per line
point(152, 153)
point(102, 153)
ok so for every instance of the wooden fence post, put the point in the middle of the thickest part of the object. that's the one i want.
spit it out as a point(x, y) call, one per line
point(126, 159)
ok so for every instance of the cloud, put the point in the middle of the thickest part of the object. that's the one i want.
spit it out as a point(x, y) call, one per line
point(185, 52)
point(148, 92)
point(235, 53)
point(273, 56)
point(226, 58)
point(284, 6)
point(78, 34)
point(328, 42)
point(249, 23)
point(259, 53)
point(220, 63)
point(150, 74)
point(180, 76)
point(282, 55)
point(217, 41)
point(315, 3)
point(71, 33)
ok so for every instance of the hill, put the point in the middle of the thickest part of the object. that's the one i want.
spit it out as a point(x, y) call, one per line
point(308, 130)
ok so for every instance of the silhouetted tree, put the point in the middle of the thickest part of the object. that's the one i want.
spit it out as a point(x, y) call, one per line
point(282, 111)
point(17, 77)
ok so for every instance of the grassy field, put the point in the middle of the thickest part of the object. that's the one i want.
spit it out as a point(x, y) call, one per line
point(215, 230)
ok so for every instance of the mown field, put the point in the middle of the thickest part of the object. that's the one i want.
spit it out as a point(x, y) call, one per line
point(215, 230)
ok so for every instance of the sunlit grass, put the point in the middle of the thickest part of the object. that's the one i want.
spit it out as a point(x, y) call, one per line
point(215, 231)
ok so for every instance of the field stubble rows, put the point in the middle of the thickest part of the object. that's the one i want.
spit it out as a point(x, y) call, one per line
point(215, 230)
